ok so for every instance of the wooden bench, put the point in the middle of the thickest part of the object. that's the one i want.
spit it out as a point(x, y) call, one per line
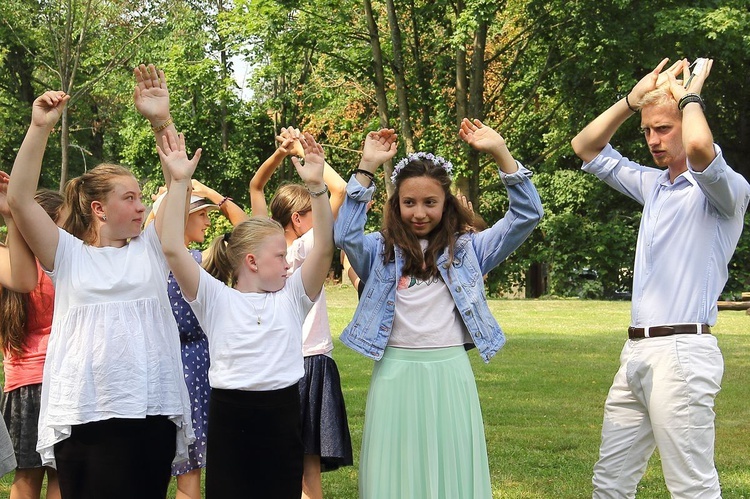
point(736, 305)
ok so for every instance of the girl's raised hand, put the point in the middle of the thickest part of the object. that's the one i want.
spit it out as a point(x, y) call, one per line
point(289, 142)
point(311, 172)
point(151, 95)
point(480, 136)
point(173, 156)
point(379, 147)
point(48, 108)
point(202, 190)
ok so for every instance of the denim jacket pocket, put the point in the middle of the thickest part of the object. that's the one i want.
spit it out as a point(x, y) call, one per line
point(385, 273)
point(466, 269)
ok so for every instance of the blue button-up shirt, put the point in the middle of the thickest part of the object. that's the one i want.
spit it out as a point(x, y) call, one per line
point(689, 230)
point(475, 254)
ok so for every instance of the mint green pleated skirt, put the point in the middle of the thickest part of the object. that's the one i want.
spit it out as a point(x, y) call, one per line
point(423, 433)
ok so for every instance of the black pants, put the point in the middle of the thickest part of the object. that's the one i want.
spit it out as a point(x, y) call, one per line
point(254, 444)
point(117, 459)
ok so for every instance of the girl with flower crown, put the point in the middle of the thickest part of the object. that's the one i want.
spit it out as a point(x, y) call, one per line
point(423, 305)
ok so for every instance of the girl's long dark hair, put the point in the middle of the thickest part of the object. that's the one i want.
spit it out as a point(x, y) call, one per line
point(13, 305)
point(456, 220)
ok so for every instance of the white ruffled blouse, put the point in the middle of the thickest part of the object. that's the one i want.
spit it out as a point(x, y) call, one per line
point(114, 350)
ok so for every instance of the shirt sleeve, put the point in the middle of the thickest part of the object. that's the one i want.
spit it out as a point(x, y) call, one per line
point(207, 300)
point(65, 243)
point(295, 290)
point(496, 243)
point(300, 249)
point(726, 190)
point(349, 228)
point(153, 245)
point(623, 175)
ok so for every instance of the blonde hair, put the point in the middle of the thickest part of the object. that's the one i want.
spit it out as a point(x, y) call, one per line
point(226, 253)
point(659, 96)
point(289, 198)
point(94, 185)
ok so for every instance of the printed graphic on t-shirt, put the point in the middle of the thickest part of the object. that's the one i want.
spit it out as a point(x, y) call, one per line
point(410, 281)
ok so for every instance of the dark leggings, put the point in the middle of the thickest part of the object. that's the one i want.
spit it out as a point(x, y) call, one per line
point(117, 459)
point(254, 444)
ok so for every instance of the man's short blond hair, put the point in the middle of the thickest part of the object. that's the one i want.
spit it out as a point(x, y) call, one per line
point(659, 96)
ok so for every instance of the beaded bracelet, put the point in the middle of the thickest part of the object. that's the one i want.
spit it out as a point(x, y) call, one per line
point(163, 125)
point(226, 198)
point(319, 193)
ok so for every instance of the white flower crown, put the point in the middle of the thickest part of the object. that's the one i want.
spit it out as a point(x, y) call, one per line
point(436, 160)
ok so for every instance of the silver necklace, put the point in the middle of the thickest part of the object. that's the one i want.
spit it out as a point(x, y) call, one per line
point(261, 309)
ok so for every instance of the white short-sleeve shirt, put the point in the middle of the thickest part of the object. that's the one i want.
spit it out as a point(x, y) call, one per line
point(255, 339)
point(114, 350)
point(316, 331)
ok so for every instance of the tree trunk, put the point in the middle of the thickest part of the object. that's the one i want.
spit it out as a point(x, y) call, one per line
point(402, 95)
point(743, 134)
point(462, 106)
point(64, 146)
point(476, 101)
point(96, 147)
point(224, 60)
point(462, 96)
point(381, 98)
point(423, 79)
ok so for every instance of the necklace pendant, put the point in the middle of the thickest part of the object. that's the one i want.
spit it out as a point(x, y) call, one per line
point(259, 319)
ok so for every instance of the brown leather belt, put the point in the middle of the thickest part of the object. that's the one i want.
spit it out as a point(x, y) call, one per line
point(656, 331)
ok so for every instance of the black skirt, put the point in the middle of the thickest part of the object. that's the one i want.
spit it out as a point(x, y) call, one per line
point(117, 458)
point(20, 408)
point(325, 430)
point(254, 444)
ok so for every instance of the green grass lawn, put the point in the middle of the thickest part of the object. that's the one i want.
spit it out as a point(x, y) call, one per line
point(542, 398)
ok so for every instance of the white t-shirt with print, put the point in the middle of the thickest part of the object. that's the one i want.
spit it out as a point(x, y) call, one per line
point(425, 314)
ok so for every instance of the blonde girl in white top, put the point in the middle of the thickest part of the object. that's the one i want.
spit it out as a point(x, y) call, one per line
point(325, 429)
point(254, 330)
point(114, 410)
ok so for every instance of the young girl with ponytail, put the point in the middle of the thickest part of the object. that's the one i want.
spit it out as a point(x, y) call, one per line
point(114, 407)
point(252, 313)
point(25, 324)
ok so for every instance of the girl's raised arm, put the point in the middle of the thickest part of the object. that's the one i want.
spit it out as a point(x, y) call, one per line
point(174, 159)
point(485, 139)
point(337, 187)
point(289, 145)
point(17, 265)
point(316, 266)
point(37, 228)
point(227, 207)
point(151, 98)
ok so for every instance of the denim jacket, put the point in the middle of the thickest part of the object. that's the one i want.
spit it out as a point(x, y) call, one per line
point(474, 255)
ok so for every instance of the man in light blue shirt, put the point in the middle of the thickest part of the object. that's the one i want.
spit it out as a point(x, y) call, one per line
point(693, 213)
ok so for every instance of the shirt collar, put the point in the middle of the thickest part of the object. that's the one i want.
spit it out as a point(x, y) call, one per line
point(686, 176)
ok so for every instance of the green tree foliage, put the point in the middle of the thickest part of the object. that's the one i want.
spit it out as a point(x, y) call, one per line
point(536, 70)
